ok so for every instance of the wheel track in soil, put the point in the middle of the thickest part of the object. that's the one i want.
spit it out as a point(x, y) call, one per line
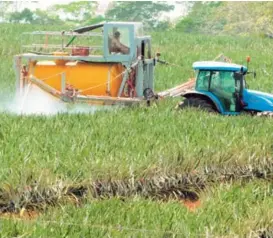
point(183, 186)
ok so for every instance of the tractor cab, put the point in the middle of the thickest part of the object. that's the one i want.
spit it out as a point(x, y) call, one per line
point(220, 87)
point(221, 82)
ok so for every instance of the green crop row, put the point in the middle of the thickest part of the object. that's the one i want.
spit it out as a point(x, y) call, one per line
point(228, 211)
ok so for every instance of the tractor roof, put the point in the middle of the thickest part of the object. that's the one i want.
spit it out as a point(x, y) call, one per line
point(215, 65)
point(99, 25)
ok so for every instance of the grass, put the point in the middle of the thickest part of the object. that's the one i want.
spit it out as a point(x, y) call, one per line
point(228, 210)
point(149, 139)
point(127, 142)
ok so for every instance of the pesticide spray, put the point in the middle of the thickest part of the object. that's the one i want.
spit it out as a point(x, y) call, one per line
point(37, 102)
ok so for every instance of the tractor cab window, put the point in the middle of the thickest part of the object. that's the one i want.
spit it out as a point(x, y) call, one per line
point(119, 40)
point(203, 80)
point(223, 87)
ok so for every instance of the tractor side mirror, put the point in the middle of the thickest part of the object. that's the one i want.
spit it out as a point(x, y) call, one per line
point(254, 74)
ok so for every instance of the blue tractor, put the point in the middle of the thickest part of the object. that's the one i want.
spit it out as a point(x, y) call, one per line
point(221, 87)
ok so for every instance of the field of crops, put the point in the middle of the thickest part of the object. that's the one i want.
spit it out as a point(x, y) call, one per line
point(128, 172)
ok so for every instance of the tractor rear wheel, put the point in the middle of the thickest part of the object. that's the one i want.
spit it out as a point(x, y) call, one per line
point(197, 103)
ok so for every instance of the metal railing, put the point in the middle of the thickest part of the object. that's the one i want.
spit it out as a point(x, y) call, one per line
point(63, 33)
point(59, 46)
point(65, 41)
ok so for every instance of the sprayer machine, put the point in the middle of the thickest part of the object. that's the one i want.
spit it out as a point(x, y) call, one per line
point(107, 63)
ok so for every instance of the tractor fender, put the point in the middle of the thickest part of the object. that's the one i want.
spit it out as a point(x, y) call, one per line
point(207, 96)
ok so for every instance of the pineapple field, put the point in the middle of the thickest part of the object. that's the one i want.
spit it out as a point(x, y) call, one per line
point(139, 171)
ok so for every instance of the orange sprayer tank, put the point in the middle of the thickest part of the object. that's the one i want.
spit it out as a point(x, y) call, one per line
point(99, 79)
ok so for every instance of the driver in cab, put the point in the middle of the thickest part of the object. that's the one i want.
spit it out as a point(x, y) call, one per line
point(115, 46)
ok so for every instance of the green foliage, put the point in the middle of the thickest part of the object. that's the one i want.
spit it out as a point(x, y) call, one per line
point(243, 18)
point(37, 17)
point(82, 13)
point(25, 16)
point(199, 14)
point(163, 26)
point(44, 17)
point(225, 211)
point(147, 12)
point(94, 20)
point(78, 11)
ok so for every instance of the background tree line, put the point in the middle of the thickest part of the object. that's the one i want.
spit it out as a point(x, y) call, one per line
point(84, 13)
point(238, 18)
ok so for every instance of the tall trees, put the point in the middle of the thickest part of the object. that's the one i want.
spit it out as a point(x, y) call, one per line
point(147, 12)
point(77, 12)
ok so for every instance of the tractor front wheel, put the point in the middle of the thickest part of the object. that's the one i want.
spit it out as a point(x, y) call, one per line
point(197, 103)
